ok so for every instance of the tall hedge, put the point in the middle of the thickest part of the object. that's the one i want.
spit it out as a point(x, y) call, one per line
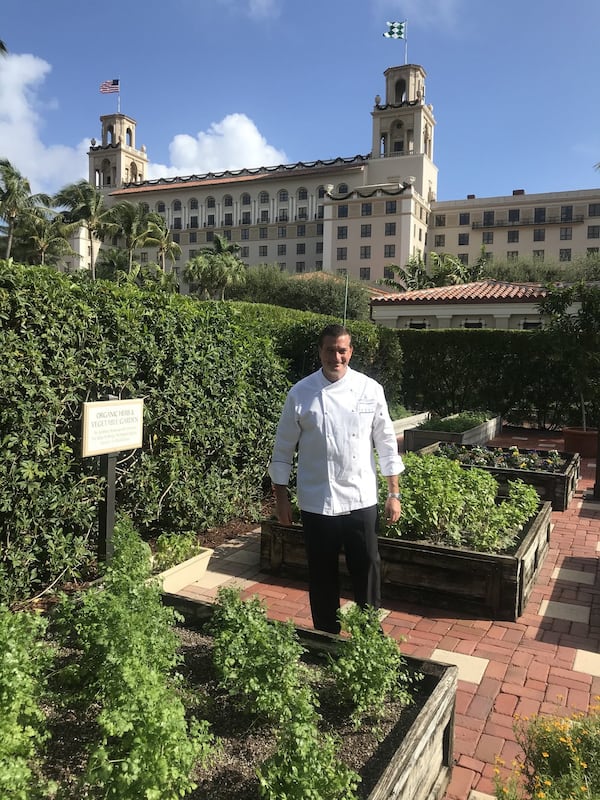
point(212, 398)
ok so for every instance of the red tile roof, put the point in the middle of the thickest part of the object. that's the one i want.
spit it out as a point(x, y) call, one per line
point(486, 291)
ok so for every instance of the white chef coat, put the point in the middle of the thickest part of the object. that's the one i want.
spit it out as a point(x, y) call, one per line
point(336, 425)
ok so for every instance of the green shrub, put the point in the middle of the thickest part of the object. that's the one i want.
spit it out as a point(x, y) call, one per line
point(455, 424)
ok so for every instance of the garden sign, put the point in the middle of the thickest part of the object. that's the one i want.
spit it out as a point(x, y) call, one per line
point(109, 427)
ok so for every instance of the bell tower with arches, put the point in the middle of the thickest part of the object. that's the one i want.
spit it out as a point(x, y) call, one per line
point(116, 160)
point(403, 126)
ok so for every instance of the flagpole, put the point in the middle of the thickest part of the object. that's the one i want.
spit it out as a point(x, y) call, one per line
point(405, 44)
point(119, 98)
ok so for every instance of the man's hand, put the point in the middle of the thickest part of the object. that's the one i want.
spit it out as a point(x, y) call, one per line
point(393, 510)
point(283, 507)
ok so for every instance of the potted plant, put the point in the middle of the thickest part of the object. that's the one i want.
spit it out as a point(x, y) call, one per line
point(471, 427)
point(454, 547)
point(553, 474)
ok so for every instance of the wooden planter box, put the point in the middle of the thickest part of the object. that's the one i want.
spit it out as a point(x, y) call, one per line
point(483, 584)
point(557, 488)
point(416, 438)
point(420, 765)
point(584, 442)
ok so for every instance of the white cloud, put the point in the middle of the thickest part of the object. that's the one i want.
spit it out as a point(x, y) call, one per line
point(233, 143)
point(48, 167)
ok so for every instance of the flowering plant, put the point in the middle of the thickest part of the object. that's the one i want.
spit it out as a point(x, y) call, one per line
point(509, 457)
point(560, 761)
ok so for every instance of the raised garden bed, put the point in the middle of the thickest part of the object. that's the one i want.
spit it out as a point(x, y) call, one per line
point(487, 585)
point(413, 763)
point(557, 488)
point(416, 438)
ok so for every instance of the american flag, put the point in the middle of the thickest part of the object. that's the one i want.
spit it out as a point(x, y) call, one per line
point(108, 87)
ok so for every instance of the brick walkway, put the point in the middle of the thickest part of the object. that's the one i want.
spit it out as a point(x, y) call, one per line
point(546, 662)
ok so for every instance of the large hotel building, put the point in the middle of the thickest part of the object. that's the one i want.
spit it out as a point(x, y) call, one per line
point(356, 215)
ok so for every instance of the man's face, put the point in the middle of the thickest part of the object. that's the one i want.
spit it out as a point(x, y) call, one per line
point(335, 354)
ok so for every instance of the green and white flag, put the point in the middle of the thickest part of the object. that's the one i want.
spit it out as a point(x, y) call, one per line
point(395, 30)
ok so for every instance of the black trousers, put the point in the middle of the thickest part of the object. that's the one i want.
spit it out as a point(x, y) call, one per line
point(325, 538)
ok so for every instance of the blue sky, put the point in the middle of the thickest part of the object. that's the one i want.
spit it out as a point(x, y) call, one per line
point(223, 84)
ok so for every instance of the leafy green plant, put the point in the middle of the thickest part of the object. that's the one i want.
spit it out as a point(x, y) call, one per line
point(505, 457)
point(368, 667)
point(445, 504)
point(124, 649)
point(305, 767)
point(458, 423)
point(560, 759)
point(258, 661)
point(173, 548)
point(24, 659)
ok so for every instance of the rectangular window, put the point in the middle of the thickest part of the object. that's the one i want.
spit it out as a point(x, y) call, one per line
point(565, 254)
point(144, 258)
point(193, 253)
point(388, 272)
point(210, 220)
point(566, 234)
point(539, 215)
point(463, 258)
point(342, 231)
point(487, 237)
point(488, 217)
point(228, 202)
point(594, 210)
point(283, 215)
point(530, 325)
point(245, 252)
point(342, 211)
point(593, 251)
point(342, 254)
point(282, 266)
point(302, 212)
point(417, 326)
point(193, 237)
point(177, 223)
point(390, 206)
point(440, 220)
point(366, 209)
point(263, 251)
point(463, 239)
point(319, 247)
point(300, 266)
point(245, 234)
point(390, 229)
point(263, 233)
point(227, 235)
point(468, 323)
point(538, 255)
point(177, 238)
point(281, 249)
point(264, 215)
point(194, 221)
point(512, 255)
point(539, 235)
point(439, 240)
point(389, 250)
point(210, 202)
point(566, 213)
point(593, 232)
point(513, 236)
point(300, 248)
point(300, 230)
point(365, 251)
point(246, 218)
point(319, 229)
point(514, 214)
point(365, 273)
point(464, 218)
point(341, 271)
point(228, 218)
point(365, 231)
point(281, 232)
point(320, 212)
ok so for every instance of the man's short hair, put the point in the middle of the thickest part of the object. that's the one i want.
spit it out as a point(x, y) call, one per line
point(335, 331)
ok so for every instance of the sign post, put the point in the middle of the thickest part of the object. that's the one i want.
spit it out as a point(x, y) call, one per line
point(108, 427)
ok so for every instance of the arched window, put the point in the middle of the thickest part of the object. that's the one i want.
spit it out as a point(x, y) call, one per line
point(263, 197)
point(160, 207)
point(194, 204)
point(129, 137)
point(176, 205)
point(343, 188)
point(210, 202)
point(400, 91)
point(245, 199)
point(228, 201)
point(283, 195)
point(302, 193)
point(321, 192)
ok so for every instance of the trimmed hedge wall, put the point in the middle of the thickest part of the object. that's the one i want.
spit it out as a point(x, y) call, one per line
point(519, 374)
point(212, 399)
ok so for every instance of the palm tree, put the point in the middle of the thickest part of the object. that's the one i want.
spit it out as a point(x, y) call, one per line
point(133, 222)
point(410, 277)
point(159, 236)
point(216, 268)
point(86, 205)
point(16, 199)
point(3, 48)
point(47, 235)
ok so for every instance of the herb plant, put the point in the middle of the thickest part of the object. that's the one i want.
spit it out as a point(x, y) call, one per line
point(174, 547)
point(368, 668)
point(506, 457)
point(458, 423)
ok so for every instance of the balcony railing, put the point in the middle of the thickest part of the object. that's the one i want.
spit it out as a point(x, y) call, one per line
point(504, 223)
